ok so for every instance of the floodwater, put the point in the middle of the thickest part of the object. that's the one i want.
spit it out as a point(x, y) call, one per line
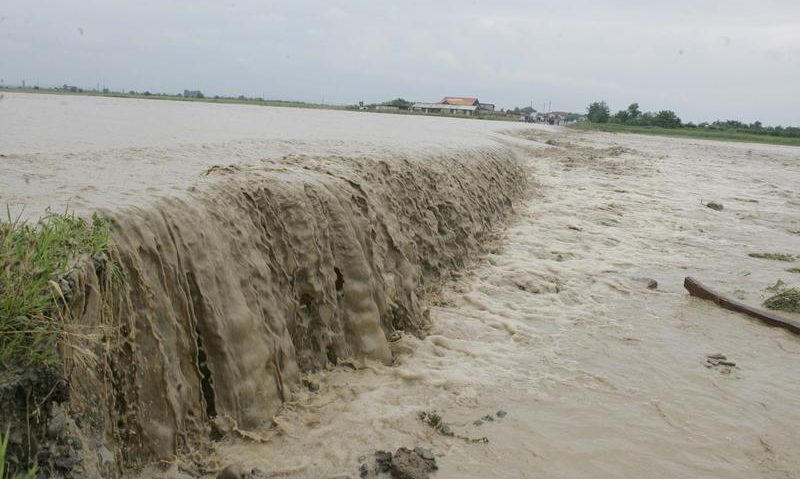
point(82, 153)
point(599, 375)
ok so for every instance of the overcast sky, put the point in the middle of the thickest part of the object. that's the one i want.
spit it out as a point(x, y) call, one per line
point(704, 59)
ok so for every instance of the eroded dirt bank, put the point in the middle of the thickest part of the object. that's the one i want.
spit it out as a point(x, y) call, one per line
point(274, 270)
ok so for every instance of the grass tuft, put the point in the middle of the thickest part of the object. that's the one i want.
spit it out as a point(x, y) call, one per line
point(31, 474)
point(793, 270)
point(34, 258)
point(774, 256)
point(692, 133)
point(788, 300)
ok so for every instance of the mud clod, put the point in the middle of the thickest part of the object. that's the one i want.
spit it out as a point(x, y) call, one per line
point(311, 385)
point(416, 464)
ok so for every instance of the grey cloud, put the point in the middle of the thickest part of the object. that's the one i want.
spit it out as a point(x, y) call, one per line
point(739, 59)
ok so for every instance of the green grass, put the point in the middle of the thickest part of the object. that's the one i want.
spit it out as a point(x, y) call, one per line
point(788, 300)
point(793, 270)
point(34, 257)
point(31, 474)
point(696, 133)
point(774, 256)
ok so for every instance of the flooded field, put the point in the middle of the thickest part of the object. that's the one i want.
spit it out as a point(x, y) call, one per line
point(565, 339)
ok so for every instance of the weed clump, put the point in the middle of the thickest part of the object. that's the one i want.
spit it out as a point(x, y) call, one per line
point(434, 420)
point(34, 257)
point(793, 270)
point(774, 256)
point(788, 300)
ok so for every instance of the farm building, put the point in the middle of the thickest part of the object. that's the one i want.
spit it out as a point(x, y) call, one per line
point(455, 105)
point(444, 108)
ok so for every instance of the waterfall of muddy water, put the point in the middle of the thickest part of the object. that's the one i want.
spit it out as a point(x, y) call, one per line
point(272, 265)
point(599, 375)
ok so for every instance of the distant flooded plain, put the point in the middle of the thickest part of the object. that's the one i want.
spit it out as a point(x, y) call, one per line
point(91, 152)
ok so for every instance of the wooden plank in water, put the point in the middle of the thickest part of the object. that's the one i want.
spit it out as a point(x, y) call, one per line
point(699, 290)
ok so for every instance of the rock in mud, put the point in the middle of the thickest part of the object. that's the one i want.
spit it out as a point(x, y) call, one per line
point(416, 464)
point(383, 460)
point(501, 414)
point(236, 471)
point(232, 471)
point(714, 206)
point(649, 283)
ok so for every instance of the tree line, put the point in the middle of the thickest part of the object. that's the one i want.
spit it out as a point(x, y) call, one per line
point(599, 112)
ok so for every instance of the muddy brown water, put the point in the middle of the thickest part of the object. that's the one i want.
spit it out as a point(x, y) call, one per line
point(599, 375)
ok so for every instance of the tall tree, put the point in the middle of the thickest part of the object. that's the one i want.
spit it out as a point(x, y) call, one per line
point(598, 112)
point(633, 111)
point(666, 119)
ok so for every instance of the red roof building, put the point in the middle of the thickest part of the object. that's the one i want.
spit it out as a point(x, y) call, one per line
point(460, 100)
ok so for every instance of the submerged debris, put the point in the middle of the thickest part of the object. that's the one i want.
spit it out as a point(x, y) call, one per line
point(649, 283)
point(697, 289)
point(311, 385)
point(719, 360)
point(715, 206)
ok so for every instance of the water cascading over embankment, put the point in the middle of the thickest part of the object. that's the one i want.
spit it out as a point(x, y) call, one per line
point(234, 289)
